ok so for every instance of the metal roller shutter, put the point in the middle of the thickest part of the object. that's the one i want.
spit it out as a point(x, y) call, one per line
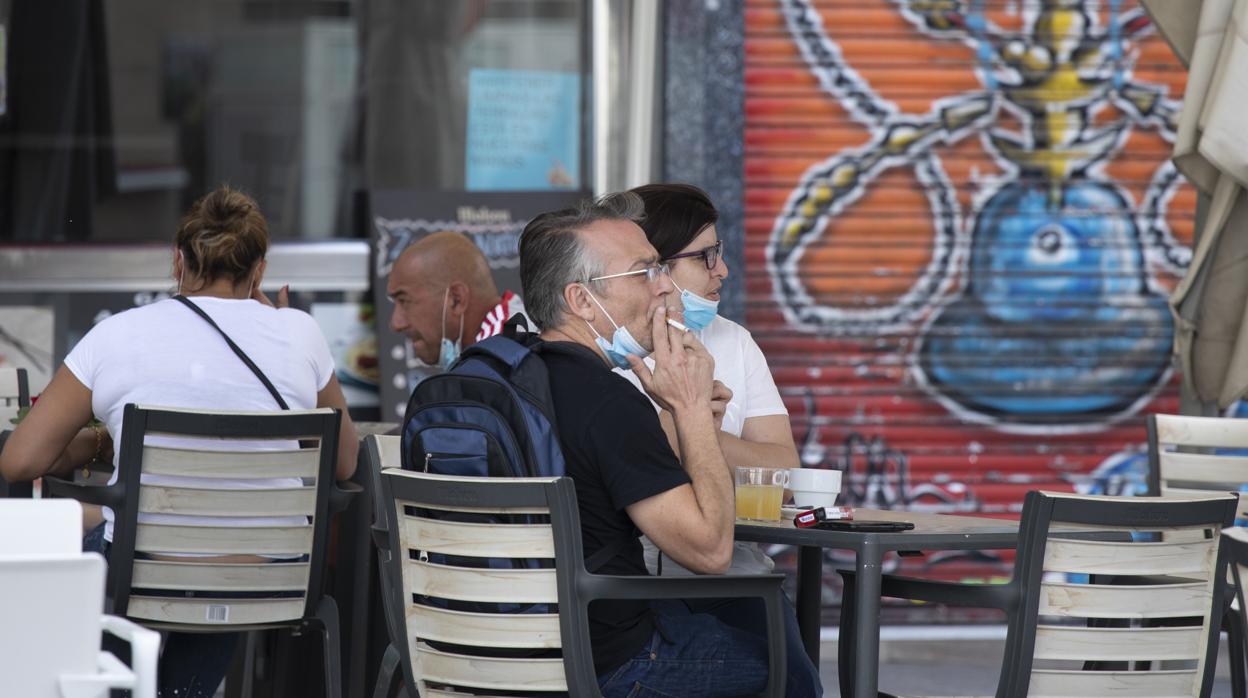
point(961, 230)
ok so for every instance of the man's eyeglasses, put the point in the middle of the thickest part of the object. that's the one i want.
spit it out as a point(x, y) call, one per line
point(652, 273)
point(709, 255)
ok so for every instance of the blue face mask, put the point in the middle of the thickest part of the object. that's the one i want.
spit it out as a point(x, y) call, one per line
point(698, 311)
point(622, 341)
point(449, 351)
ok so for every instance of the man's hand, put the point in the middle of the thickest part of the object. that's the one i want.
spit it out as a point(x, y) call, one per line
point(721, 395)
point(683, 369)
point(283, 297)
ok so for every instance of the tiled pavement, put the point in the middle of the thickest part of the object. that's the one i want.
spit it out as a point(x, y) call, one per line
point(948, 665)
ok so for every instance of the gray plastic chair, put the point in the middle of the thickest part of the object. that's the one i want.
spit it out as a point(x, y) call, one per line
point(1183, 460)
point(284, 593)
point(1164, 568)
point(14, 395)
point(407, 540)
point(1235, 540)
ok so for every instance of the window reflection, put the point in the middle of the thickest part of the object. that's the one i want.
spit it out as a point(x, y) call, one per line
point(299, 102)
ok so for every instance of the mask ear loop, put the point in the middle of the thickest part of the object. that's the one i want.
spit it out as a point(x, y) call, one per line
point(604, 310)
point(460, 337)
point(442, 325)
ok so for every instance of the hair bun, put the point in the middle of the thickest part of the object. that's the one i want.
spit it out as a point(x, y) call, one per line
point(224, 208)
point(223, 235)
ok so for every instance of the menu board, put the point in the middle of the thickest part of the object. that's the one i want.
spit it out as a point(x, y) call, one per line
point(396, 219)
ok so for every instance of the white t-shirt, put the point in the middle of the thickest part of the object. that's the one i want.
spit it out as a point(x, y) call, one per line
point(740, 365)
point(165, 355)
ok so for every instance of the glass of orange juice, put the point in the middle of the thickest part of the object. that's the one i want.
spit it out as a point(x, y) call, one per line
point(759, 492)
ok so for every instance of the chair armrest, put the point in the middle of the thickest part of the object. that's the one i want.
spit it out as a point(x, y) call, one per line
point(106, 495)
point(342, 494)
point(1001, 596)
point(702, 587)
point(144, 652)
point(110, 672)
point(381, 538)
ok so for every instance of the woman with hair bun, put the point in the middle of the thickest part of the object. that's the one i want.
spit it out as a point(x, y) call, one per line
point(166, 354)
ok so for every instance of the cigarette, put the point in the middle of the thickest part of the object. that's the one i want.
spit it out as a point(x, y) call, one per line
point(677, 325)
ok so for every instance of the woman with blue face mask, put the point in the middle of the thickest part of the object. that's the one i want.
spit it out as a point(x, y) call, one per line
point(680, 224)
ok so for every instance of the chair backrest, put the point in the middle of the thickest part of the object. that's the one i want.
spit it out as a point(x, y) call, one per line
point(445, 648)
point(40, 527)
point(216, 474)
point(51, 626)
point(1235, 541)
point(14, 394)
point(1158, 569)
point(1182, 461)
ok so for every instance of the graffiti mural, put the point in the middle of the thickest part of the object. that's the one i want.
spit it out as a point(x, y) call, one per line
point(968, 226)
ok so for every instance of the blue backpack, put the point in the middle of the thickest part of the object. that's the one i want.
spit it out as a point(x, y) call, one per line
point(490, 415)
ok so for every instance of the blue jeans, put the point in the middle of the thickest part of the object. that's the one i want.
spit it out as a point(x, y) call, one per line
point(192, 665)
point(693, 654)
point(750, 614)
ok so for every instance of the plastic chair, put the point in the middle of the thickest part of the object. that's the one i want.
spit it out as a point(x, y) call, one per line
point(14, 395)
point(50, 637)
point(1050, 639)
point(1183, 460)
point(474, 663)
point(217, 448)
point(40, 527)
point(1235, 540)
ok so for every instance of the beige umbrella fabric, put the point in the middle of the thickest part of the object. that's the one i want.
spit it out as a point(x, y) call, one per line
point(1211, 150)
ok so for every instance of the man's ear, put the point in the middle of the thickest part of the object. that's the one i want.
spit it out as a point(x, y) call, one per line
point(576, 297)
point(457, 296)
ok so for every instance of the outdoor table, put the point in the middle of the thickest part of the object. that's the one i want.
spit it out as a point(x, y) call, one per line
point(931, 532)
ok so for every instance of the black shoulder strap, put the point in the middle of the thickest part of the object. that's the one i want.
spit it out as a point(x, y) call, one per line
point(246, 359)
point(516, 325)
point(604, 555)
point(610, 550)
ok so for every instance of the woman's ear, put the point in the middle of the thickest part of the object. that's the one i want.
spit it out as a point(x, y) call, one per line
point(260, 269)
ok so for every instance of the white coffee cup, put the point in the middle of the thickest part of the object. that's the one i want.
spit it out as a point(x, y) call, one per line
point(814, 487)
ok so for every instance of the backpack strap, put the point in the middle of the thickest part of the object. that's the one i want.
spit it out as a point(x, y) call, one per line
point(239, 352)
point(595, 562)
point(516, 325)
point(504, 349)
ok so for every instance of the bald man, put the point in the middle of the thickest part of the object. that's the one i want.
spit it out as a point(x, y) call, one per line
point(445, 298)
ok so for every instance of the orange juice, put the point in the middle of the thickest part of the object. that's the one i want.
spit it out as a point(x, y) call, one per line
point(759, 502)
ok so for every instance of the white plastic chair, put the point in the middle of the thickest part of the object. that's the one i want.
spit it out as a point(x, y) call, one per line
point(53, 599)
point(40, 527)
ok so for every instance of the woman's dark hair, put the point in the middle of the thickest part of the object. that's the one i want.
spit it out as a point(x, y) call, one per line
point(224, 235)
point(675, 215)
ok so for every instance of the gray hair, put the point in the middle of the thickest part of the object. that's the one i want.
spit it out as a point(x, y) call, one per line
point(552, 255)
